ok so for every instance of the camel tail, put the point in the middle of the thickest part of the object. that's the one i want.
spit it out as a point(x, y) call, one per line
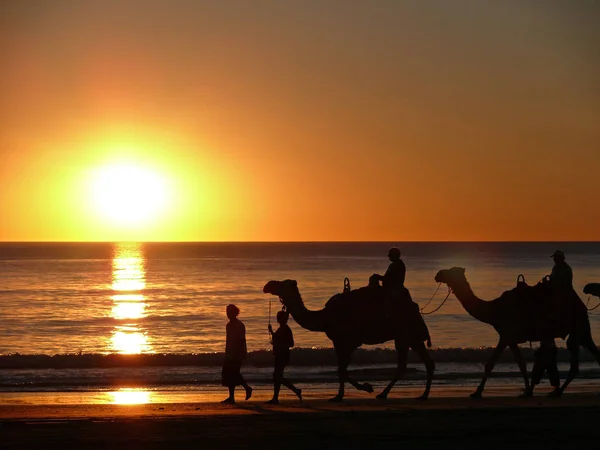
point(428, 341)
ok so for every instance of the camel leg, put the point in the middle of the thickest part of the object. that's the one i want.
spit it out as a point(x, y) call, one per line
point(367, 387)
point(573, 346)
point(488, 369)
point(429, 366)
point(402, 355)
point(343, 362)
point(521, 363)
point(588, 343)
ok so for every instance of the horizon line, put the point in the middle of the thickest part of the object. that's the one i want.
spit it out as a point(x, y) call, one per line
point(310, 242)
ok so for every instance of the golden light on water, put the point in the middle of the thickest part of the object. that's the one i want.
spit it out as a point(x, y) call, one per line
point(127, 396)
point(129, 341)
point(128, 270)
point(129, 305)
point(129, 310)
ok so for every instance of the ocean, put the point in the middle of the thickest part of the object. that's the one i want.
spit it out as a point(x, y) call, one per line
point(77, 316)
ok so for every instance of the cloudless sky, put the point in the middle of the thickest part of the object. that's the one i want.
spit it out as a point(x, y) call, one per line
point(309, 120)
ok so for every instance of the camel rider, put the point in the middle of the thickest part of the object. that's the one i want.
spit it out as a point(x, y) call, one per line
point(561, 282)
point(393, 280)
point(393, 283)
point(562, 274)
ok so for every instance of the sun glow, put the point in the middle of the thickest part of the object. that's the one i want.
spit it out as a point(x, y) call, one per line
point(128, 194)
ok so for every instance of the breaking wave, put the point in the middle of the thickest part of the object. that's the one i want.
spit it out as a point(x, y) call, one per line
point(301, 357)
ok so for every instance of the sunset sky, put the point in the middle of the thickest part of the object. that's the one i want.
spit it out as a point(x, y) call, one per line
point(299, 121)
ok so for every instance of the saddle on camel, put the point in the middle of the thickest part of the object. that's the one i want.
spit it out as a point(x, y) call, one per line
point(545, 318)
point(375, 304)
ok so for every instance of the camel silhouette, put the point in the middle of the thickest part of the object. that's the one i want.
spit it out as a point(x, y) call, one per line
point(521, 315)
point(592, 289)
point(358, 317)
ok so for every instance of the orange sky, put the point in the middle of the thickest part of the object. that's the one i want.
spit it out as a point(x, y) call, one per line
point(337, 120)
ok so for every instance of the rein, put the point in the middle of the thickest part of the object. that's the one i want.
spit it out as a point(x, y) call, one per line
point(429, 301)
point(441, 304)
point(588, 302)
point(270, 300)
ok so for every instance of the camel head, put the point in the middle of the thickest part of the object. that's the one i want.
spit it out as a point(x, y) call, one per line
point(450, 276)
point(286, 290)
point(592, 289)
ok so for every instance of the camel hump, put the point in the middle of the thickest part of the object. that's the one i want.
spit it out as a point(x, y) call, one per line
point(354, 297)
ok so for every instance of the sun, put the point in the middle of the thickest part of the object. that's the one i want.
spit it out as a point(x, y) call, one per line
point(128, 194)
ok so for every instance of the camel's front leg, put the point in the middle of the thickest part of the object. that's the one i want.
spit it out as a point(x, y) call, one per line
point(402, 355)
point(343, 355)
point(429, 366)
point(521, 363)
point(488, 368)
point(573, 346)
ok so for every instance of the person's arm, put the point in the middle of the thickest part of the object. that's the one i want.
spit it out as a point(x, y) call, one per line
point(238, 340)
point(244, 346)
point(402, 273)
point(570, 277)
point(552, 275)
point(276, 336)
point(291, 338)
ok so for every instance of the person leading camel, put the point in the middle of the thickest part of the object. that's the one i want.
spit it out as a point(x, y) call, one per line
point(282, 340)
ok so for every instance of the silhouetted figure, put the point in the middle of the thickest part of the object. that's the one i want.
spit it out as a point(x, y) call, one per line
point(396, 297)
point(282, 341)
point(561, 283)
point(561, 280)
point(393, 279)
point(545, 360)
point(235, 352)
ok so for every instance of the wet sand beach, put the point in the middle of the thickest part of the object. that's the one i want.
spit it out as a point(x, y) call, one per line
point(448, 419)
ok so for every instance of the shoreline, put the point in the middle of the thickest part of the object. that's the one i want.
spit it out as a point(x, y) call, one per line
point(449, 418)
point(145, 399)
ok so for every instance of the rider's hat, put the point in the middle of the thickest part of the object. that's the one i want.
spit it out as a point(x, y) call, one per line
point(558, 253)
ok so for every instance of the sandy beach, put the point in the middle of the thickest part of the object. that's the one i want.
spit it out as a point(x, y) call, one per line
point(449, 417)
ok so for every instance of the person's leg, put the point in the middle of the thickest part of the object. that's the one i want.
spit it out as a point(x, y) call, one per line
point(231, 398)
point(288, 384)
point(226, 376)
point(246, 387)
point(277, 377)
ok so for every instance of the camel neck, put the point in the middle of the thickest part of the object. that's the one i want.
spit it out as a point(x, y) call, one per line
point(310, 320)
point(479, 309)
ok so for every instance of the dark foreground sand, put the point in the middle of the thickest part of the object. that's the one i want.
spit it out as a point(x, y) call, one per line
point(445, 421)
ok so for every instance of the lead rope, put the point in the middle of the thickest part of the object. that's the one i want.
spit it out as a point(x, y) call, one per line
point(442, 304)
point(427, 304)
point(588, 302)
point(269, 332)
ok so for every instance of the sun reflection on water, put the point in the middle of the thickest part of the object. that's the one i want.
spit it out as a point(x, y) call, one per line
point(127, 396)
point(129, 281)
